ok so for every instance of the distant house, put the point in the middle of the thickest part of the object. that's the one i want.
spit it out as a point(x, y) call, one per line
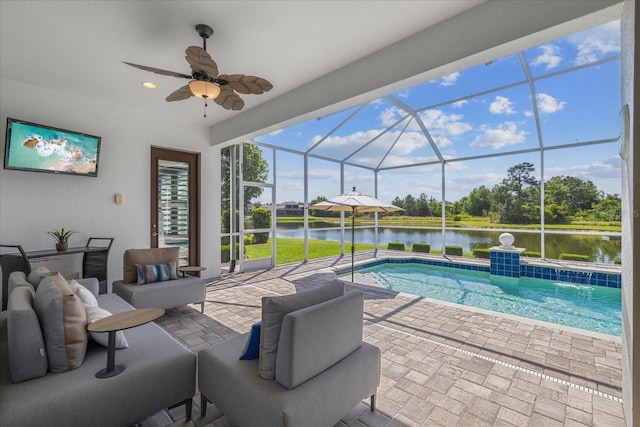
point(290, 209)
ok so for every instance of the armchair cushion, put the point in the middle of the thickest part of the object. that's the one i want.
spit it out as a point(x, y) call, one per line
point(273, 311)
point(147, 257)
point(315, 338)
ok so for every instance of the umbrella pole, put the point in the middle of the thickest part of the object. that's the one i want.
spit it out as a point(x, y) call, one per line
point(353, 245)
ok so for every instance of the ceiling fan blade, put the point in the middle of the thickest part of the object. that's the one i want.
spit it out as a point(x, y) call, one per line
point(180, 94)
point(200, 60)
point(159, 71)
point(229, 100)
point(247, 84)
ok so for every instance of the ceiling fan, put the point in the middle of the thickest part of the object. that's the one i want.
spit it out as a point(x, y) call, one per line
point(205, 81)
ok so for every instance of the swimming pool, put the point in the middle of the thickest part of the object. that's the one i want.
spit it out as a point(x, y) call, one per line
point(594, 308)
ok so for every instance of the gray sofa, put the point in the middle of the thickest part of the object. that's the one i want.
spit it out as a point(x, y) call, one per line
point(320, 367)
point(163, 294)
point(159, 372)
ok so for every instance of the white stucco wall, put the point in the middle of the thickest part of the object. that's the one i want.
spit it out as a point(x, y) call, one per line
point(32, 203)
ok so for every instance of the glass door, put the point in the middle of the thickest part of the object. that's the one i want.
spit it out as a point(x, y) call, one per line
point(175, 219)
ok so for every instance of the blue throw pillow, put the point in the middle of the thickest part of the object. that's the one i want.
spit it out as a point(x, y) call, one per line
point(156, 272)
point(252, 347)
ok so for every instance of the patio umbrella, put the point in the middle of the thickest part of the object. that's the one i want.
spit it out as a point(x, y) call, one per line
point(354, 202)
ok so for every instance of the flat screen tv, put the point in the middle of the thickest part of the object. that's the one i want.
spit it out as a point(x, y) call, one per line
point(40, 148)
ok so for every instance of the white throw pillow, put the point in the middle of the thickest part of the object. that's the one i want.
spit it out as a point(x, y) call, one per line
point(102, 338)
point(85, 295)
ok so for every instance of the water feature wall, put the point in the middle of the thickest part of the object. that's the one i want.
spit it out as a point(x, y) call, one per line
point(505, 259)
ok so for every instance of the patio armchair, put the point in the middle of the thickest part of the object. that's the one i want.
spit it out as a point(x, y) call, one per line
point(312, 369)
point(142, 287)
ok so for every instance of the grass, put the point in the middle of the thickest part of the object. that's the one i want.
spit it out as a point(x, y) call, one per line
point(292, 250)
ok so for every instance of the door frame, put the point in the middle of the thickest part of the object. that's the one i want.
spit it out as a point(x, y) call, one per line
point(193, 159)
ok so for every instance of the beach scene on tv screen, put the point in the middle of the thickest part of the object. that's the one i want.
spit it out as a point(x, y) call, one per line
point(34, 147)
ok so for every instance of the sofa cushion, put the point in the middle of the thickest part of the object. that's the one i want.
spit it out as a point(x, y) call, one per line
point(317, 337)
point(145, 257)
point(26, 350)
point(36, 275)
point(150, 273)
point(96, 313)
point(86, 296)
point(252, 347)
point(63, 322)
point(273, 311)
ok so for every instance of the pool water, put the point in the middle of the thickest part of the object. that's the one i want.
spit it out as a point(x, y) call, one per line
point(594, 308)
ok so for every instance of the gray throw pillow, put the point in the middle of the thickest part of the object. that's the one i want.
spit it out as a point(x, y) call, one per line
point(273, 311)
point(27, 355)
point(63, 322)
point(36, 276)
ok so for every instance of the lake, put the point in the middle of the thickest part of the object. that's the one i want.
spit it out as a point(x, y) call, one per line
point(603, 251)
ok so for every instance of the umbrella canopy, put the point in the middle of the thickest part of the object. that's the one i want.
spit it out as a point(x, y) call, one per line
point(353, 202)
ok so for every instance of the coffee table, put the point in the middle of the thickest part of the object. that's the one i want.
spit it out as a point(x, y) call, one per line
point(117, 322)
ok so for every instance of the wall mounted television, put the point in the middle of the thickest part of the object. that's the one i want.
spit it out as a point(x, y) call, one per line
point(40, 148)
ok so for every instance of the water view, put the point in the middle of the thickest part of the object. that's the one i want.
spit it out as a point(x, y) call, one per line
point(599, 250)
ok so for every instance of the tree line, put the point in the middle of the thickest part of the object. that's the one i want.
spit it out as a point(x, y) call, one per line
point(516, 200)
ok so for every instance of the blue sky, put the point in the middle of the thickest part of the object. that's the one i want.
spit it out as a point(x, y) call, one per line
point(464, 117)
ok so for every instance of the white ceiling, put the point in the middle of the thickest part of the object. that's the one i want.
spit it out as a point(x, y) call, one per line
point(78, 46)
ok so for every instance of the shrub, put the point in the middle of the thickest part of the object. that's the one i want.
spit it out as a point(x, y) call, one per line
point(396, 246)
point(617, 261)
point(453, 250)
point(532, 254)
point(261, 218)
point(226, 253)
point(421, 247)
point(575, 257)
point(481, 253)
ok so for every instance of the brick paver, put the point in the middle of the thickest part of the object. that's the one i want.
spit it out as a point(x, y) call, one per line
point(442, 364)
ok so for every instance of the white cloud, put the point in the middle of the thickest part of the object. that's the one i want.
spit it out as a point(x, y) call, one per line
point(501, 105)
point(596, 171)
point(550, 56)
point(442, 126)
point(593, 44)
point(503, 135)
point(528, 113)
point(547, 104)
point(460, 104)
point(276, 132)
point(391, 115)
point(449, 79)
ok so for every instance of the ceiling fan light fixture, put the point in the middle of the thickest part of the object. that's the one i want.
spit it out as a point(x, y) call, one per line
point(204, 89)
point(149, 85)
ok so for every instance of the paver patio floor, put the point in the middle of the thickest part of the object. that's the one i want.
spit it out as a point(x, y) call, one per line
point(442, 364)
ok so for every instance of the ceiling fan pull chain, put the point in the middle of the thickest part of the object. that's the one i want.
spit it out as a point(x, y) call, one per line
point(205, 107)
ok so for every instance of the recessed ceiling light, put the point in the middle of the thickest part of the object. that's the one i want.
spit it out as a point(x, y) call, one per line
point(149, 85)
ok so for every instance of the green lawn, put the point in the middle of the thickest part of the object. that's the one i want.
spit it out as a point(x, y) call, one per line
point(292, 250)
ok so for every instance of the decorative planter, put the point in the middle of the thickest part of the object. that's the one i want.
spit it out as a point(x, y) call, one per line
point(61, 247)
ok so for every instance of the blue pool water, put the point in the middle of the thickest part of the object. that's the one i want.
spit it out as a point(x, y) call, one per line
point(595, 308)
